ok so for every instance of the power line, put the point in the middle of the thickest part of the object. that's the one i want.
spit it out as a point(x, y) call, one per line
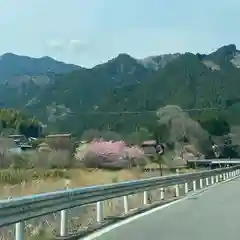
point(136, 112)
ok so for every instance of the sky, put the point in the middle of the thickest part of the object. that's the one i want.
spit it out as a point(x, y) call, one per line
point(89, 32)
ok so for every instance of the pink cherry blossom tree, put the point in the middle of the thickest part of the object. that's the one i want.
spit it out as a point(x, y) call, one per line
point(110, 154)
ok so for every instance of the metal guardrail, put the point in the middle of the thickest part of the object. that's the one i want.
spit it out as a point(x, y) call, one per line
point(18, 210)
point(232, 161)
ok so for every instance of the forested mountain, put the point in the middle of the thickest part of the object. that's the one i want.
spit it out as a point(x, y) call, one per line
point(22, 77)
point(125, 84)
point(77, 101)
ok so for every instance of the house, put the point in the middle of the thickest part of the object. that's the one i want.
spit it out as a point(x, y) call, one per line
point(64, 135)
point(44, 147)
point(17, 138)
point(60, 141)
point(149, 147)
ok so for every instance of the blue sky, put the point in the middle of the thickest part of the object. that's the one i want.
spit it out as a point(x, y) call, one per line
point(88, 32)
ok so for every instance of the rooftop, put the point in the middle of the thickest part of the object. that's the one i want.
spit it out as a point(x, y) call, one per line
point(59, 135)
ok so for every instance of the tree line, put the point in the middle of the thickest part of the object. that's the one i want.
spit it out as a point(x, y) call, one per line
point(15, 122)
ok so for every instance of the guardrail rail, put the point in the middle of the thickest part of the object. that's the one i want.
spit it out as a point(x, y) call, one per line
point(18, 210)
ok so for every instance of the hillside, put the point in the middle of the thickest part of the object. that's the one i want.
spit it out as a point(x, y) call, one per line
point(22, 77)
point(12, 65)
point(190, 81)
point(86, 89)
point(128, 84)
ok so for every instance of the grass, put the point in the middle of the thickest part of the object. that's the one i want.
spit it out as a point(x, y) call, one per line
point(33, 173)
point(17, 182)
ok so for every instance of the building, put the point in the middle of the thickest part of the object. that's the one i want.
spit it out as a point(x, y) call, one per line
point(149, 147)
point(64, 135)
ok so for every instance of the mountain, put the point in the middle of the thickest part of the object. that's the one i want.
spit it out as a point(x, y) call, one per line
point(14, 66)
point(158, 62)
point(86, 89)
point(125, 84)
point(22, 77)
point(190, 81)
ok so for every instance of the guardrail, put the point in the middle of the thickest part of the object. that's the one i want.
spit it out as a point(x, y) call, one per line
point(18, 210)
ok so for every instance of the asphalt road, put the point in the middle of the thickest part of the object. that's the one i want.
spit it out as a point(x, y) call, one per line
point(211, 215)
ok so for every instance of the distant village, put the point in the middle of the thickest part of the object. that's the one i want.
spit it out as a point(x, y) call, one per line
point(21, 143)
point(150, 147)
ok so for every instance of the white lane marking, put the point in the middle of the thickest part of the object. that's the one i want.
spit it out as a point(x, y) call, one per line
point(100, 232)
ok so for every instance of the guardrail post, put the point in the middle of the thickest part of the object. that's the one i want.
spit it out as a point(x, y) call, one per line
point(99, 211)
point(186, 187)
point(19, 231)
point(145, 197)
point(217, 178)
point(125, 204)
point(177, 186)
point(177, 190)
point(201, 183)
point(224, 176)
point(212, 180)
point(63, 224)
point(194, 186)
point(161, 193)
point(207, 183)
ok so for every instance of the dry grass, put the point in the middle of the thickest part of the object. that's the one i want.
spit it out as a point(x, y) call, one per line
point(38, 181)
point(20, 182)
point(31, 173)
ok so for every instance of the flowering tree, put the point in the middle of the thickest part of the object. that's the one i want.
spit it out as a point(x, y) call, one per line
point(109, 154)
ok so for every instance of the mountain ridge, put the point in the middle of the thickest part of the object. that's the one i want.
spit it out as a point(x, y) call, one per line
point(125, 83)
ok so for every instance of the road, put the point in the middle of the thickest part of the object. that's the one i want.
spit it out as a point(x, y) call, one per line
point(213, 214)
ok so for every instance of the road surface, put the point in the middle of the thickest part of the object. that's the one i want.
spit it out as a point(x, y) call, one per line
point(211, 215)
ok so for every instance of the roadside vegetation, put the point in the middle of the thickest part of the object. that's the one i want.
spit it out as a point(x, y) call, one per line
point(97, 157)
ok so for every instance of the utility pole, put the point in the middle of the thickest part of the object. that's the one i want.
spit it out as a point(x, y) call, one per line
point(159, 152)
point(216, 152)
